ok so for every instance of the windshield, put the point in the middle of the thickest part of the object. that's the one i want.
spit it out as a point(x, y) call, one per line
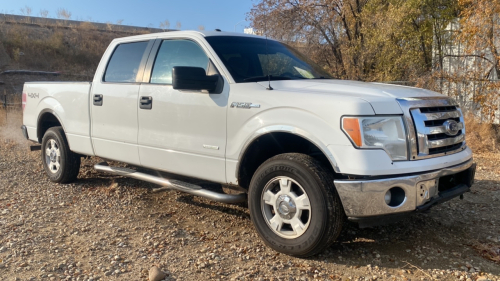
point(247, 60)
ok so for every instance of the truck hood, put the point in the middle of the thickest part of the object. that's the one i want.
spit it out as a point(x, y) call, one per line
point(382, 97)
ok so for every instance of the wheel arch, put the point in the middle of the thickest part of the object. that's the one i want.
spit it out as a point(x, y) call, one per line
point(274, 140)
point(47, 119)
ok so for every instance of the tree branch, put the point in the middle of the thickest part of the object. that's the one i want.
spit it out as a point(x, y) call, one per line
point(465, 56)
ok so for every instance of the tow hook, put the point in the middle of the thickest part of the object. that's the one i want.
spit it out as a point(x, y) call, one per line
point(35, 147)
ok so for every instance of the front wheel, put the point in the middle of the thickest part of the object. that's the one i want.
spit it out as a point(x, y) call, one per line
point(61, 164)
point(294, 205)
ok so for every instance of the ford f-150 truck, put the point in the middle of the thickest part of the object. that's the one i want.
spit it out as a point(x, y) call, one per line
point(308, 151)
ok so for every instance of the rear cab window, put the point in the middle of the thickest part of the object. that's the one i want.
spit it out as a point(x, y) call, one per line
point(125, 62)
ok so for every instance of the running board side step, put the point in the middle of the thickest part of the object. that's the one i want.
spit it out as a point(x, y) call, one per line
point(172, 184)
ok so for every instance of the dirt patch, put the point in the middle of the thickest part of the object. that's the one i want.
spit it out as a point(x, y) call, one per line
point(106, 227)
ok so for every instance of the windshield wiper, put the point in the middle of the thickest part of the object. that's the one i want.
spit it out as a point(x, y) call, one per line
point(265, 77)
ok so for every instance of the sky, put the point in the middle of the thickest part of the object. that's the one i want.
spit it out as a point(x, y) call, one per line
point(212, 14)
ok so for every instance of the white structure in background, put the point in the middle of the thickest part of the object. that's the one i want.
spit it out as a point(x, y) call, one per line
point(251, 31)
point(457, 64)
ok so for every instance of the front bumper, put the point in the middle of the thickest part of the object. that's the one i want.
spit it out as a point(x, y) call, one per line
point(366, 198)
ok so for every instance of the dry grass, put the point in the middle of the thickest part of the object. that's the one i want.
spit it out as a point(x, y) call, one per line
point(3, 118)
point(74, 50)
point(482, 137)
point(16, 99)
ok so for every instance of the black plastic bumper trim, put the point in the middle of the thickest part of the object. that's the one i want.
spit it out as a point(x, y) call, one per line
point(444, 196)
point(452, 193)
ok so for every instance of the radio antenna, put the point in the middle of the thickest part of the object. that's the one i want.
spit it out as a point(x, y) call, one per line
point(267, 54)
point(268, 76)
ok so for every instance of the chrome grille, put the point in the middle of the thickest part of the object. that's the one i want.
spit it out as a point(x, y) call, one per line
point(436, 126)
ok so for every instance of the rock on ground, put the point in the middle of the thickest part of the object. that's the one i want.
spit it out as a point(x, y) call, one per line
point(155, 274)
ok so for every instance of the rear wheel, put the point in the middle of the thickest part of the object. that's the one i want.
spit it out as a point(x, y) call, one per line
point(61, 164)
point(294, 205)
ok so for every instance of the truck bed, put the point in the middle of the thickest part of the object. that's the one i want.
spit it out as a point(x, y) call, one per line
point(68, 102)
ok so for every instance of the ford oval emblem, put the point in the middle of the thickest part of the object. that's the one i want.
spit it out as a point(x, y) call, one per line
point(451, 127)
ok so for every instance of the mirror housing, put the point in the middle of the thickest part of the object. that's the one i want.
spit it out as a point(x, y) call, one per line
point(193, 78)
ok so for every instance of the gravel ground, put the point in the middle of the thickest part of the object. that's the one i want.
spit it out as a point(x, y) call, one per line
point(106, 227)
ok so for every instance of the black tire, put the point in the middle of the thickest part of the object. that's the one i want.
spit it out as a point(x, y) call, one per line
point(68, 162)
point(326, 215)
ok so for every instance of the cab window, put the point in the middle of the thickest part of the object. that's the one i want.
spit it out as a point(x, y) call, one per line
point(174, 53)
point(125, 62)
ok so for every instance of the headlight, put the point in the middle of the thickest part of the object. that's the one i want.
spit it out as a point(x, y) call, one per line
point(387, 133)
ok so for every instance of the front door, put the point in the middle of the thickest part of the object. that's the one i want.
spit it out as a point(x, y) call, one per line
point(182, 132)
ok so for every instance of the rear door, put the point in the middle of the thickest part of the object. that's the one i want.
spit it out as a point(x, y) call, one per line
point(183, 132)
point(114, 101)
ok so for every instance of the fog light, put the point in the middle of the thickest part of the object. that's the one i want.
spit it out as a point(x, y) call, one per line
point(395, 197)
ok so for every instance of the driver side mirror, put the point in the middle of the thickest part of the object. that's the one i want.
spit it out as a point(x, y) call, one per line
point(193, 78)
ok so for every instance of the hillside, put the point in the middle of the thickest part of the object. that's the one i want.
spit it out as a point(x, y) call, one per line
point(71, 48)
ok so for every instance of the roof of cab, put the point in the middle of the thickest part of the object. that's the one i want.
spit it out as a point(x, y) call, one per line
point(184, 33)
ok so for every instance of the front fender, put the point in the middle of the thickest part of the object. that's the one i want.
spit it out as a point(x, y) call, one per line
point(284, 119)
point(290, 120)
point(292, 130)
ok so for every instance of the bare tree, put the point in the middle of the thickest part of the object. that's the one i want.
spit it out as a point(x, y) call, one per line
point(63, 14)
point(201, 27)
point(165, 25)
point(44, 13)
point(374, 40)
point(119, 22)
point(26, 11)
point(178, 25)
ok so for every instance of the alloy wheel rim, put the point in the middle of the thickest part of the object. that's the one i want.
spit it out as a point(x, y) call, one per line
point(53, 156)
point(286, 207)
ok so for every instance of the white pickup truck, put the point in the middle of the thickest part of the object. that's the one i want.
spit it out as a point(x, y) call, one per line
point(240, 110)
